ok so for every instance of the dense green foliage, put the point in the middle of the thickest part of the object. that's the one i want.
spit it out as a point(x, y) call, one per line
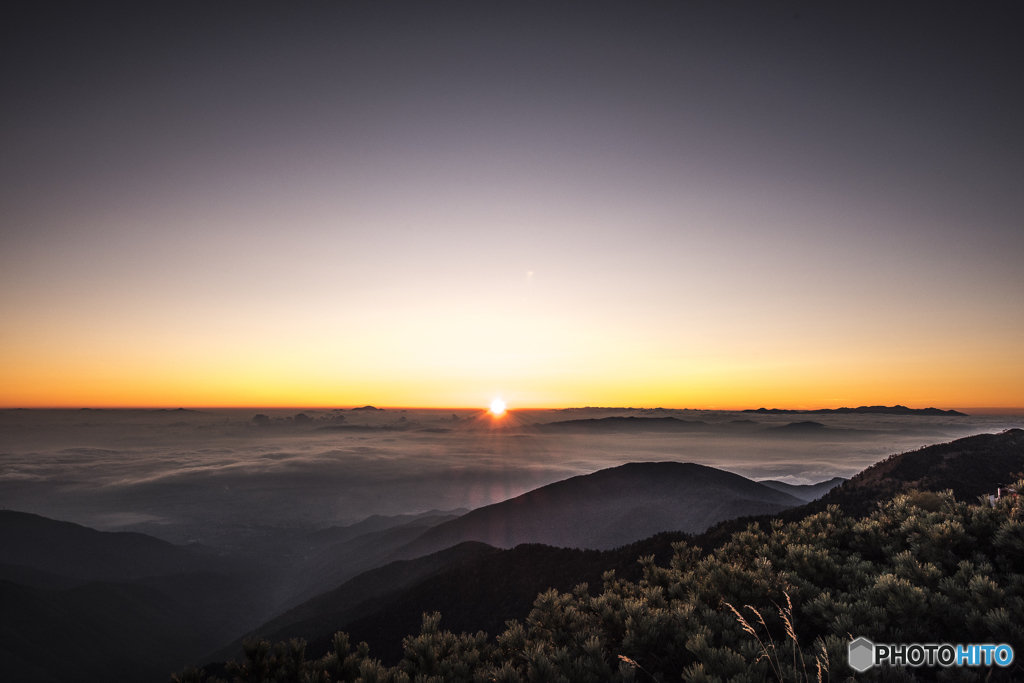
point(775, 604)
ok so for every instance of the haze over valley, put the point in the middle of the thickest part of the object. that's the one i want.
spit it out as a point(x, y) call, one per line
point(221, 479)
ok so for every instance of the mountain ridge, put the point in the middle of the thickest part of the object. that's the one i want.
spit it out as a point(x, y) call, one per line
point(465, 601)
point(623, 423)
point(609, 508)
point(861, 410)
point(805, 492)
point(80, 552)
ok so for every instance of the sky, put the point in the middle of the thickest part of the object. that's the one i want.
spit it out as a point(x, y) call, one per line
point(706, 205)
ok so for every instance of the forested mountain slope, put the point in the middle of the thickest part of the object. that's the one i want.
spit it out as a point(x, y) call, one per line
point(609, 508)
point(881, 576)
point(779, 604)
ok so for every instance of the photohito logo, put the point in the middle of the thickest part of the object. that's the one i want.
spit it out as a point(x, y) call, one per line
point(863, 654)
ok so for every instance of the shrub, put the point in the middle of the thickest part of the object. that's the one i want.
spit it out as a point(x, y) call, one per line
point(921, 568)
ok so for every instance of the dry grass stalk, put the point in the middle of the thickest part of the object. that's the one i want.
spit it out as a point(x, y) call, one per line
point(769, 650)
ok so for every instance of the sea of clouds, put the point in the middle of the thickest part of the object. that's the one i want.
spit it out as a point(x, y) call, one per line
point(222, 478)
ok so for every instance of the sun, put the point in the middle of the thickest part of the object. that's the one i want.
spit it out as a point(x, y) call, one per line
point(497, 407)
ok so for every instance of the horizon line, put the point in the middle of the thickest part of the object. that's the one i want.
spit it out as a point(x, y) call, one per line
point(1009, 409)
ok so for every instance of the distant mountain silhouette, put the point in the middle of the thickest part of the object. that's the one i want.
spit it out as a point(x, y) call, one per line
point(810, 430)
point(375, 523)
point(805, 426)
point(609, 508)
point(402, 427)
point(867, 410)
point(623, 424)
point(747, 428)
point(805, 492)
point(79, 552)
point(134, 410)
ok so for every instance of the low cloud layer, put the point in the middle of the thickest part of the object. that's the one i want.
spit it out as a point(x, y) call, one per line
point(209, 476)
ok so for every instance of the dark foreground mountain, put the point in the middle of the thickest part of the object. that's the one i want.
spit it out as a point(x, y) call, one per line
point(482, 591)
point(110, 632)
point(99, 633)
point(319, 617)
point(921, 567)
point(480, 587)
point(609, 508)
point(81, 605)
point(970, 467)
point(77, 604)
point(476, 586)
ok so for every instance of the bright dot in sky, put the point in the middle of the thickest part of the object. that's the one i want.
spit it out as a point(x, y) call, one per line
point(497, 407)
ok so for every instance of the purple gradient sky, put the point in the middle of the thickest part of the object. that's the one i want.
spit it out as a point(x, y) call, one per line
point(685, 204)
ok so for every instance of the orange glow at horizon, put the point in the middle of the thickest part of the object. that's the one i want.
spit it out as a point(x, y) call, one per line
point(539, 361)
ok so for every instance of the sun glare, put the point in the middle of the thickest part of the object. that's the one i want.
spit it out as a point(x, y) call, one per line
point(497, 407)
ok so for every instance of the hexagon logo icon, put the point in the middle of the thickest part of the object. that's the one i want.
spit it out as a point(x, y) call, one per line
point(861, 654)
